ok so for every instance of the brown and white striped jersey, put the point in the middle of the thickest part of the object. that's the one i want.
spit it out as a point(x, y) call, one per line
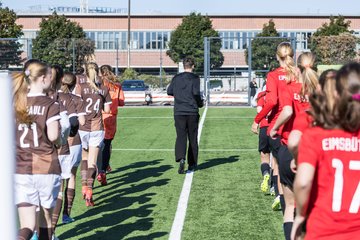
point(35, 153)
point(93, 105)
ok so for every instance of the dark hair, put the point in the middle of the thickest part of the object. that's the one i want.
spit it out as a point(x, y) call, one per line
point(323, 102)
point(58, 74)
point(188, 62)
point(347, 106)
point(106, 72)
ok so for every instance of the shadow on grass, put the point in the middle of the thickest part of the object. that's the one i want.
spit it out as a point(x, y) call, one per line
point(113, 204)
point(209, 163)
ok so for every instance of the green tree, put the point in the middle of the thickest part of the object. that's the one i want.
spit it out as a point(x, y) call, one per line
point(61, 41)
point(187, 40)
point(10, 53)
point(333, 42)
point(263, 50)
point(336, 26)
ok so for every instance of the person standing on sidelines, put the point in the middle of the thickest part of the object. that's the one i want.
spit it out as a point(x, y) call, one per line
point(110, 119)
point(185, 87)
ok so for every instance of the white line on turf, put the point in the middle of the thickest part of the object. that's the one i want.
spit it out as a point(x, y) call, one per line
point(173, 117)
point(171, 150)
point(178, 224)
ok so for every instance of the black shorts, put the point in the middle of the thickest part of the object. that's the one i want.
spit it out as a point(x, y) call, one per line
point(275, 145)
point(264, 145)
point(286, 175)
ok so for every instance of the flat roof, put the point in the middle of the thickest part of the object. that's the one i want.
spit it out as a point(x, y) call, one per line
point(168, 15)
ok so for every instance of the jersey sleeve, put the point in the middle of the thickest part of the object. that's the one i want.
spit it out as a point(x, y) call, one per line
point(309, 148)
point(53, 113)
point(121, 97)
point(271, 97)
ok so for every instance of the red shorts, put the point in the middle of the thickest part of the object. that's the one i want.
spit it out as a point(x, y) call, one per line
point(110, 122)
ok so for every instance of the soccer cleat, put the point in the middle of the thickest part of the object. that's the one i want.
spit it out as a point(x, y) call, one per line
point(102, 179)
point(88, 198)
point(83, 191)
point(108, 169)
point(272, 191)
point(35, 236)
point(276, 206)
point(67, 219)
point(54, 237)
point(181, 166)
point(265, 183)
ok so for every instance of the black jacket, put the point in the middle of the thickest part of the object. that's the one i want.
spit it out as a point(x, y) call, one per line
point(185, 87)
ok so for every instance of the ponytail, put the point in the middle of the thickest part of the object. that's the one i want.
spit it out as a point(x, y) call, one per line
point(68, 82)
point(285, 53)
point(92, 71)
point(309, 76)
point(20, 90)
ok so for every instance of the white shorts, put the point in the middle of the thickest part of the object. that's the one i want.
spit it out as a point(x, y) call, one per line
point(92, 139)
point(38, 189)
point(65, 164)
point(75, 155)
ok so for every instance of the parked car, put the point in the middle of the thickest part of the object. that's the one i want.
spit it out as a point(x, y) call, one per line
point(137, 91)
point(134, 85)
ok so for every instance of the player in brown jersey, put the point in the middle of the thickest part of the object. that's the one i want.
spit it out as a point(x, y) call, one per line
point(67, 86)
point(37, 178)
point(96, 98)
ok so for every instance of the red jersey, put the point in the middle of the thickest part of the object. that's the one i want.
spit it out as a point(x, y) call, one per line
point(302, 122)
point(261, 102)
point(274, 81)
point(333, 210)
point(290, 96)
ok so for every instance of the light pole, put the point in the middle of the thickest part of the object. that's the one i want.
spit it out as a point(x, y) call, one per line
point(117, 57)
point(161, 63)
point(128, 37)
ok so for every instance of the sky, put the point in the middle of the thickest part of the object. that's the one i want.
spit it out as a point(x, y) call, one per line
point(334, 7)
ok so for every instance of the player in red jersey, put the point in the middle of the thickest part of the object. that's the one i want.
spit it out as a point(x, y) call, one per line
point(96, 98)
point(304, 120)
point(327, 184)
point(110, 119)
point(37, 178)
point(275, 80)
point(293, 101)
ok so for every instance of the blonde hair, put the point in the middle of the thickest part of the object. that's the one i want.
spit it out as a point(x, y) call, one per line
point(21, 82)
point(68, 82)
point(92, 71)
point(309, 77)
point(285, 53)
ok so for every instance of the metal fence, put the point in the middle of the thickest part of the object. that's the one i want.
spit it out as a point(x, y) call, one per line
point(230, 83)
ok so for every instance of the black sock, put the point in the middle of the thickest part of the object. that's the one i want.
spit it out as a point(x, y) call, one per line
point(274, 179)
point(265, 168)
point(287, 230)
point(282, 203)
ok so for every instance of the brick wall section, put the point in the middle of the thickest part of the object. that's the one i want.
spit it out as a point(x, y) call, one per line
point(149, 59)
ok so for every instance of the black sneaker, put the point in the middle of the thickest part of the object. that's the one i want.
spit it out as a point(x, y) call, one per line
point(181, 166)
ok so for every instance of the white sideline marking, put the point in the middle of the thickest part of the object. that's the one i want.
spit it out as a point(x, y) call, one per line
point(171, 150)
point(178, 224)
point(173, 117)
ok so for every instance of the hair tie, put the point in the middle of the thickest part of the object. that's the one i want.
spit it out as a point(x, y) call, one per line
point(356, 97)
point(307, 65)
point(27, 72)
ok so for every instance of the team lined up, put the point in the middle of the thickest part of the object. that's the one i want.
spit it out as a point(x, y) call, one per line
point(62, 121)
point(313, 135)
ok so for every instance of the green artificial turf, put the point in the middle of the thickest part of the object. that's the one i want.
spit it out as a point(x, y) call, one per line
point(143, 190)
